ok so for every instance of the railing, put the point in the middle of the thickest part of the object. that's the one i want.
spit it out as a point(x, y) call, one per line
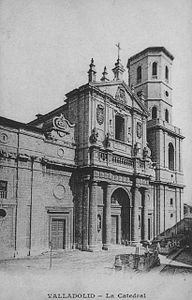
point(3, 194)
point(140, 164)
point(109, 159)
point(117, 159)
point(169, 126)
point(114, 159)
point(102, 156)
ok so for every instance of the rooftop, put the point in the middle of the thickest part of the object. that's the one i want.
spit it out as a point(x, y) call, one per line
point(151, 49)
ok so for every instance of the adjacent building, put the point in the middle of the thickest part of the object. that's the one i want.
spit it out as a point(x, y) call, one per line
point(187, 210)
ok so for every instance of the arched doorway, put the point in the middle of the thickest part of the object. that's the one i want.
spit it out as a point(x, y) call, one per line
point(120, 217)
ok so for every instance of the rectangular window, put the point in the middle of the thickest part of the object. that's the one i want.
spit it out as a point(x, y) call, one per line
point(3, 189)
point(139, 74)
point(139, 221)
point(119, 128)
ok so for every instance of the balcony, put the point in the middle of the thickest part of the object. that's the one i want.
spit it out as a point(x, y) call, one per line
point(3, 194)
point(161, 123)
point(108, 159)
point(102, 158)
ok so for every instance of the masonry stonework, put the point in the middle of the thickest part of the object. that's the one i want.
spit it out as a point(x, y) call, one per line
point(104, 168)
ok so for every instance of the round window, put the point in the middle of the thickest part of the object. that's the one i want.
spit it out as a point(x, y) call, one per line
point(2, 213)
point(3, 138)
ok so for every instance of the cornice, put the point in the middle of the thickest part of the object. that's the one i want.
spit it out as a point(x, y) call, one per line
point(159, 126)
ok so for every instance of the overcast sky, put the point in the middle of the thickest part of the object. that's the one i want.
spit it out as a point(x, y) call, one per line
point(46, 47)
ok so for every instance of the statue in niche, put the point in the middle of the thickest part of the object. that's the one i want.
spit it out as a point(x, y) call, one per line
point(107, 142)
point(147, 153)
point(129, 138)
point(100, 114)
point(113, 200)
point(98, 223)
point(110, 127)
point(139, 130)
point(137, 148)
point(94, 136)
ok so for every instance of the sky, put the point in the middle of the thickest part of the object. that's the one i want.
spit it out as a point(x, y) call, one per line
point(46, 47)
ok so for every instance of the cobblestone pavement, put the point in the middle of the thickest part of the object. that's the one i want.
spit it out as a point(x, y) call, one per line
point(79, 272)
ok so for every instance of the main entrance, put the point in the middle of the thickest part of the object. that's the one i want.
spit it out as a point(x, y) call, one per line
point(120, 217)
point(58, 233)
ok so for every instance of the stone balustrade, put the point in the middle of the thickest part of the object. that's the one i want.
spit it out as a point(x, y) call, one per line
point(104, 158)
point(159, 122)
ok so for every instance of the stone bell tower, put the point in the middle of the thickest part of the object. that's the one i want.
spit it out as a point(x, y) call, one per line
point(150, 74)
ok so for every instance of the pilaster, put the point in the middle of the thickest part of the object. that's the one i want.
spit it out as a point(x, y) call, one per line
point(145, 214)
point(78, 216)
point(93, 216)
point(135, 214)
point(107, 218)
point(85, 215)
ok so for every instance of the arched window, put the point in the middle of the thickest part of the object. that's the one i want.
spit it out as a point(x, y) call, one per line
point(166, 73)
point(119, 128)
point(171, 156)
point(154, 112)
point(139, 74)
point(166, 115)
point(154, 69)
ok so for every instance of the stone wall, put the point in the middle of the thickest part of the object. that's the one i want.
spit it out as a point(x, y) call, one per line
point(38, 180)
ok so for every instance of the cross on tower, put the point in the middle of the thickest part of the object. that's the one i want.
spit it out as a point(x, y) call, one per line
point(118, 47)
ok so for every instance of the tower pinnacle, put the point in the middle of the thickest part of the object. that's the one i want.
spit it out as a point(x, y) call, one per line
point(118, 70)
point(104, 77)
point(92, 72)
point(119, 48)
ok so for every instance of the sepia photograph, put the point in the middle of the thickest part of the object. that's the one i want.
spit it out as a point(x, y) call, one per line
point(95, 149)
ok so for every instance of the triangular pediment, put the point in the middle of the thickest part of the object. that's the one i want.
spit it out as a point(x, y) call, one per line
point(120, 92)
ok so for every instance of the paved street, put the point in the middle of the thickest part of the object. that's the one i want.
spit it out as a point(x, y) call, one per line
point(86, 272)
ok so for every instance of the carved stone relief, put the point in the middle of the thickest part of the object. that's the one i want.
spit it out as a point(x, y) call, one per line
point(100, 114)
point(60, 152)
point(59, 191)
point(59, 128)
point(120, 95)
point(139, 130)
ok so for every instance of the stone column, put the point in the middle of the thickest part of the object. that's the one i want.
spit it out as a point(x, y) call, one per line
point(136, 202)
point(85, 215)
point(93, 217)
point(107, 218)
point(78, 216)
point(119, 230)
point(145, 215)
point(130, 222)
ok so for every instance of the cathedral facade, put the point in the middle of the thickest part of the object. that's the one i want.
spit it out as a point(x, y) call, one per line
point(105, 168)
